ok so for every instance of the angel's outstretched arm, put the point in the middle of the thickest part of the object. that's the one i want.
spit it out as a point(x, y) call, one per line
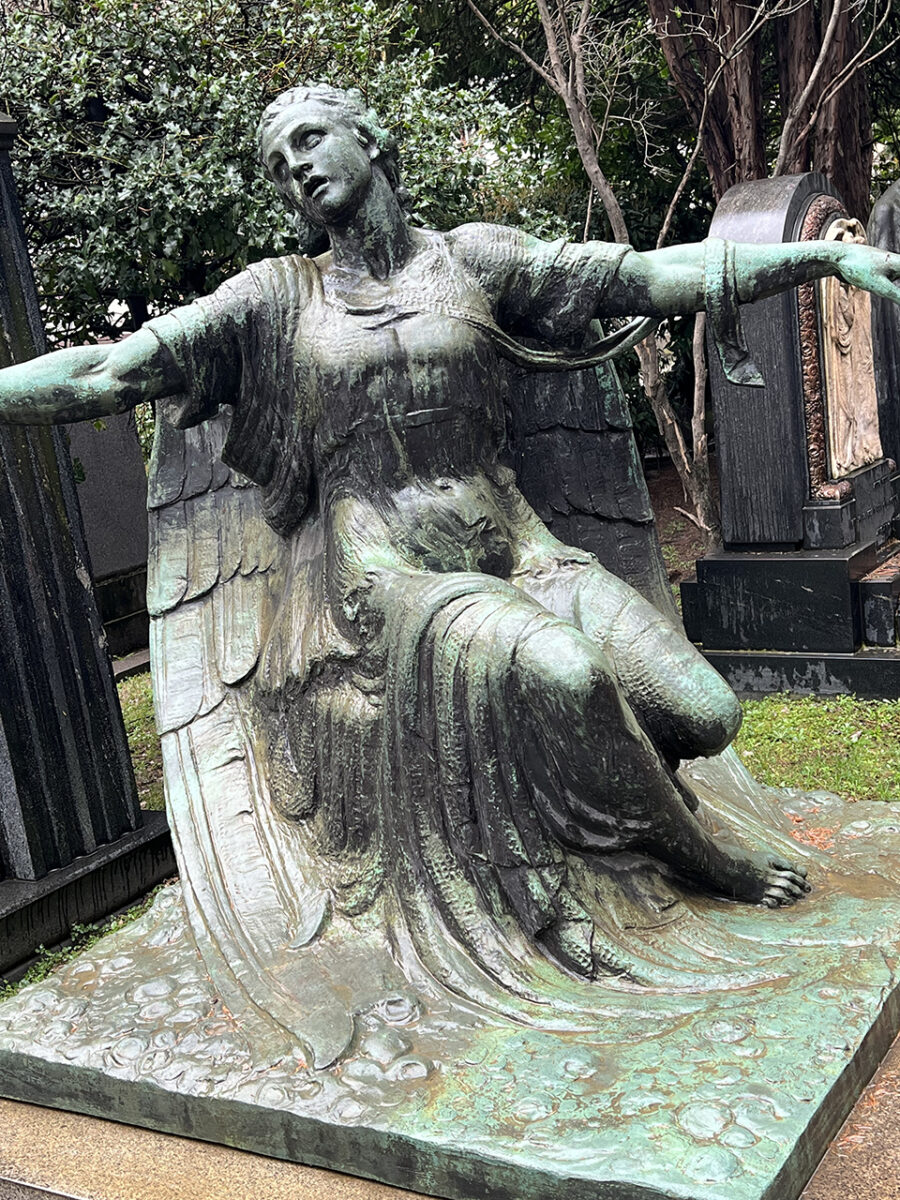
point(85, 382)
point(677, 279)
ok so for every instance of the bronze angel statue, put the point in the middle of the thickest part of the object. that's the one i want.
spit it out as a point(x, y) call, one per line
point(409, 733)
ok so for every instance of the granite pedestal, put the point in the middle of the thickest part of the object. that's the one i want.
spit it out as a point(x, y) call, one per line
point(810, 564)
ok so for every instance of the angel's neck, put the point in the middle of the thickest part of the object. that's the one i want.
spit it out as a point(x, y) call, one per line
point(376, 240)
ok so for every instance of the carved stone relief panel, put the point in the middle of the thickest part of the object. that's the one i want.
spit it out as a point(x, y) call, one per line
point(851, 403)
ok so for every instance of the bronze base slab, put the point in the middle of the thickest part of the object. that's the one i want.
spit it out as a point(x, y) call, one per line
point(740, 1098)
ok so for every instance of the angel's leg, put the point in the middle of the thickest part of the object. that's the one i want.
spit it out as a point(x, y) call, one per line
point(600, 778)
point(685, 705)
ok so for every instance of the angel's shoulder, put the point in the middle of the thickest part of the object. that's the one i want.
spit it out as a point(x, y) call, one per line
point(490, 250)
point(270, 283)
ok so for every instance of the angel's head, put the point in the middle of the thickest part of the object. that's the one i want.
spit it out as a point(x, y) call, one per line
point(320, 146)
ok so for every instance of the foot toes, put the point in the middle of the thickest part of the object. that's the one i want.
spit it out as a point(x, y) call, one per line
point(782, 864)
point(790, 883)
point(780, 894)
point(794, 872)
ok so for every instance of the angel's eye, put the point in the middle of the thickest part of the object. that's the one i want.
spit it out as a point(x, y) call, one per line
point(309, 139)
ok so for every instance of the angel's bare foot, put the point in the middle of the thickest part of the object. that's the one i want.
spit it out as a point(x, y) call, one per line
point(761, 878)
point(758, 878)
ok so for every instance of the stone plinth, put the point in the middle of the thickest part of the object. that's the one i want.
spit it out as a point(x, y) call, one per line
point(66, 784)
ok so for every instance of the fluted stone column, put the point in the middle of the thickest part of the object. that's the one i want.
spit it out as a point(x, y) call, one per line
point(66, 785)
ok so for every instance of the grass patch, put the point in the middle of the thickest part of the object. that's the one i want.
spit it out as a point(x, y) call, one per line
point(82, 938)
point(136, 698)
point(837, 743)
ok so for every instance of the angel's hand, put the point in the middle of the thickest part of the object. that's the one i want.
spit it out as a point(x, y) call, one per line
point(878, 271)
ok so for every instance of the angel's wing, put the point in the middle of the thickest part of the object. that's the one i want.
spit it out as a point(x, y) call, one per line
point(216, 574)
point(577, 464)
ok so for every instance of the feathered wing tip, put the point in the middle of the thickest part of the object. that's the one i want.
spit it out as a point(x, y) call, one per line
point(254, 898)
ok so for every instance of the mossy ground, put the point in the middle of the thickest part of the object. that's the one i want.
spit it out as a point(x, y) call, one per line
point(82, 938)
point(838, 743)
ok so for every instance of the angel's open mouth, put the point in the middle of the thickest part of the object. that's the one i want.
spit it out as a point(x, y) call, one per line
point(315, 184)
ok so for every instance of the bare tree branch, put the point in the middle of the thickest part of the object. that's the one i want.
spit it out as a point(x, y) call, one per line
point(556, 63)
point(682, 185)
point(850, 68)
point(761, 15)
point(511, 45)
point(802, 100)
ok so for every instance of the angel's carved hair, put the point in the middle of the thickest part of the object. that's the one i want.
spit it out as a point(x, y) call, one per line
point(353, 109)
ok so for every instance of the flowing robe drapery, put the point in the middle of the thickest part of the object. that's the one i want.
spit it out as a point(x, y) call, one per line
point(346, 583)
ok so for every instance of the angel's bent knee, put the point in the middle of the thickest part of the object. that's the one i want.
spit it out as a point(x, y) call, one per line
point(562, 668)
point(715, 721)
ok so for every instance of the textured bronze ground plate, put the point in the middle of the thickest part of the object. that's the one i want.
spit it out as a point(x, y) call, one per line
point(723, 1094)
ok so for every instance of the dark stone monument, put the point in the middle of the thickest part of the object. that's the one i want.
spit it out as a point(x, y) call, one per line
point(73, 843)
point(112, 494)
point(803, 595)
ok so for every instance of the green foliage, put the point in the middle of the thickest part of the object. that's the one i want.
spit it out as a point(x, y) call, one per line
point(839, 743)
point(136, 699)
point(136, 159)
point(81, 938)
point(145, 422)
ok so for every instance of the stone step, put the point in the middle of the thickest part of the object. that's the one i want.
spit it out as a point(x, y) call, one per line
point(50, 1155)
point(879, 593)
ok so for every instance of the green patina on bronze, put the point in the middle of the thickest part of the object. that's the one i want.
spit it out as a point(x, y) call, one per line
point(720, 1090)
point(424, 759)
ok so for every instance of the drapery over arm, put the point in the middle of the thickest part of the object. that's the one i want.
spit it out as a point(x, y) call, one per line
point(550, 290)
point(236, 348)
point(553, 290)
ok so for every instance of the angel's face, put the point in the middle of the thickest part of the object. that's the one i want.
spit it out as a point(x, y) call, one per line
point(319, 161)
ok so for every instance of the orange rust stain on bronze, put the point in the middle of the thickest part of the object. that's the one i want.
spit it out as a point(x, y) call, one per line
point(819, 836)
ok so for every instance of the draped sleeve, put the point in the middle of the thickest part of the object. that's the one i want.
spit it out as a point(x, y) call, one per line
point(237, 348)
point(550, 290)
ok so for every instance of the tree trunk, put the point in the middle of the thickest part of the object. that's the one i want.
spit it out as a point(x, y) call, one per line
point(842, 139)
point(840, 144)
point(708, 71)
point(797, 40)
point(707, 510)
point(138, 311)
point(741, 89)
